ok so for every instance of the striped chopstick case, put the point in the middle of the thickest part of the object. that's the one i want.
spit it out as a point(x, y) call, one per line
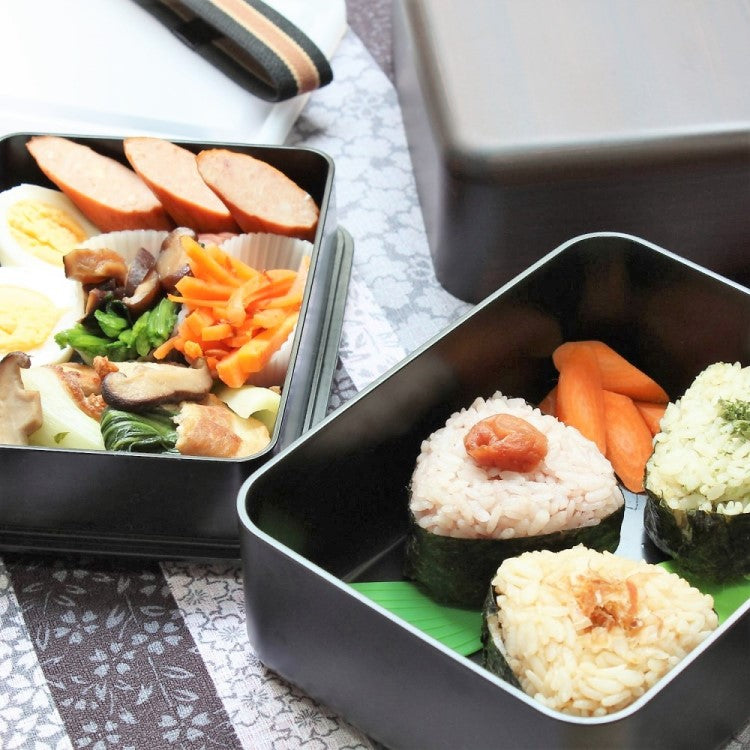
point(281, 59)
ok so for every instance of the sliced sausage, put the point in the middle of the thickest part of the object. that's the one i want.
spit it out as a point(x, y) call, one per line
point(108, 193)
point(172, 174)
point(259, 196)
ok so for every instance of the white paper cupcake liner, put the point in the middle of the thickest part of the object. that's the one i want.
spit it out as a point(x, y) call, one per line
point(128, 242)
point(264, 252)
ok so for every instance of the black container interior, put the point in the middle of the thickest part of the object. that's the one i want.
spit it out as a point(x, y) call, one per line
point(166, 506)
point(340, 498)
point(332, 509)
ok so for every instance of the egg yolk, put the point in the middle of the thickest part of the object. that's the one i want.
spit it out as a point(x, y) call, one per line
point(44, 231)
point(27, 318)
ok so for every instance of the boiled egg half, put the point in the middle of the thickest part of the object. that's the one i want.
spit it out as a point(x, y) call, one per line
point(34, 306)
point(38, 226)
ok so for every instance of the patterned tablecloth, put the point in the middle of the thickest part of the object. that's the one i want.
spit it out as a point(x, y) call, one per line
point(110, 654)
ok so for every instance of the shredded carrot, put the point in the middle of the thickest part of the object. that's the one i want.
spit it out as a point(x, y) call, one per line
point(235, 342)
point(161, 351)
point(241, 270)
point(254, 355)
point(216, 332)
point(194, 302)
point(204, 265)
point(268, 318)
point(294, 296)
point(238, 316)
point(193, 349)
point(195, 322)
point(218, 352)
point(190, 286)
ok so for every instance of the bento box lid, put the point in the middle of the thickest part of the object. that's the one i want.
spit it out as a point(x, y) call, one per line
point(523, 85)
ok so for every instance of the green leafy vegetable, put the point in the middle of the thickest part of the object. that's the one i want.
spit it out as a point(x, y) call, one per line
point(728, 595)
point(738, 413)
point(89, 345)
point(111, 323)
point(456, 628)
point(110, 332)
point(151, 432)
point(161, 322)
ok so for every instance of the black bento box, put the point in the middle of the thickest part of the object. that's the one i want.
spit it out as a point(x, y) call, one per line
point(530, 122)
point(176, 506)
point(332, 509)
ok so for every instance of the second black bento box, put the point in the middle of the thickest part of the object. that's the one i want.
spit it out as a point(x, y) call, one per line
point(166, 505)
point(531, 122)
point(332, 510)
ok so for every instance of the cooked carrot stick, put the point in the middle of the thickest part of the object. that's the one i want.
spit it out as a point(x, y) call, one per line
point(293, 297)
point(652, 414)
point(629, 440)
point(580, 397)
point(274, 288)
point(548, 404)
point(617, 374)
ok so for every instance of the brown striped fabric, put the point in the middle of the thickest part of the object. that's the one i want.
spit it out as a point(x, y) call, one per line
point(121, 665)
point(284, 60)
point(290, 52)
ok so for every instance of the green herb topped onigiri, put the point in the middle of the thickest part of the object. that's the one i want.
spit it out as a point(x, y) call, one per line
point(698, 477)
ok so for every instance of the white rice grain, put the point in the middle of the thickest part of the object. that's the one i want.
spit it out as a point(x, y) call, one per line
point(596, 668)
point(699, 462)
point(573, 486)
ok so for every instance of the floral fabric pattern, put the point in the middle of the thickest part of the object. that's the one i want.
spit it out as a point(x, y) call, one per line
point(28, 714)
point(117, 657)
point(266, 712)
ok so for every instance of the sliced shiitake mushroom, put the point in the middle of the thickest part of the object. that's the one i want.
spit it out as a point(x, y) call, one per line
point(20, 410)
point(172, 262)
point(144, 295)
point(138, 270)
point(134, 386)
point(92, 266)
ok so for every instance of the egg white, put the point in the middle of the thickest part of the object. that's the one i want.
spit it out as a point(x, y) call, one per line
point(64, 294)
point(14, 254)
